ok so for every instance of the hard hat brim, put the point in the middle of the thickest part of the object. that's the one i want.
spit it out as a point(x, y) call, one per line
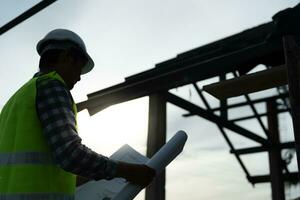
point(89, 65)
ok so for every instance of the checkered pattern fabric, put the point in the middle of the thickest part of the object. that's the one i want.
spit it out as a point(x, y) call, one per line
point(54, 107)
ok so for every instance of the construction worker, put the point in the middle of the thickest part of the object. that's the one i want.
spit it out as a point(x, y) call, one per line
point(40, 150)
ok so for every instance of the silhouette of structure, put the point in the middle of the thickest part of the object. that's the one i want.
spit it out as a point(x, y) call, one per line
point(273, 44)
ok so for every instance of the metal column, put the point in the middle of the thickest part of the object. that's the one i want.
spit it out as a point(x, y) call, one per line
point(292, 59)
point(223, 102)
point(156, 139)
point(276, 176)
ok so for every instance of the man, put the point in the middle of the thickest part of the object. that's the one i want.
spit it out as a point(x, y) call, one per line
point(40, 150)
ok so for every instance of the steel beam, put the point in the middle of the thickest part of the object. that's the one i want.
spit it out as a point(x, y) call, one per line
point(292, 58)
point(156, 139)
point(290, 177)
point(275, 161)
point(223, 103)
point(222, 130)
point(259, 149)
point(236, 105)
point(185, 74)
point(258, 115)
point(214, 118)
point(27, 14)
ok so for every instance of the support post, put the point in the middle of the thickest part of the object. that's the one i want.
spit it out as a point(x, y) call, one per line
point(292, 59)
point(223, 102)
point(276, 177)
point(156, 139)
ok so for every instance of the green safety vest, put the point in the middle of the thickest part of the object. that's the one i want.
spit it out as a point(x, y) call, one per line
point(27, 170)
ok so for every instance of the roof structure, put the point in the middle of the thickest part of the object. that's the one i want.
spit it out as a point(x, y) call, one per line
point(240, 52)
point(237, 54)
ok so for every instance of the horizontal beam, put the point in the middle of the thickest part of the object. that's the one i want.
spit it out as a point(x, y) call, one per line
point(292, 177)
point(286, 145)
point(186, 73)
point(214, 118)
point(215, 49)
point(259, 115)
point(27, 14)
point(248, 83)
point(255, 101)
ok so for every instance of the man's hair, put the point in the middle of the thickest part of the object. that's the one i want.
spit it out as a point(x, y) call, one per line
point(49, 58)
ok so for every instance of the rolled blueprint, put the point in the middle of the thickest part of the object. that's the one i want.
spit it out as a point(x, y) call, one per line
point(159, 161)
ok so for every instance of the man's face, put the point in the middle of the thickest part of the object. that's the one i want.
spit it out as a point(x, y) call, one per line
point(74, 63)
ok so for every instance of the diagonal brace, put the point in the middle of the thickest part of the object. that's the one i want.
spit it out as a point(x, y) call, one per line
point(214, 118)
point(27, 14)
point(222, 131)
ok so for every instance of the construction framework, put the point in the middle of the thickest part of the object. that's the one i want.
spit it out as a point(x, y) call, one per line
point(271, 44)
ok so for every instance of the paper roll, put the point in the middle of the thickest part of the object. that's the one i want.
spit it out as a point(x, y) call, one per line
point(159, 161)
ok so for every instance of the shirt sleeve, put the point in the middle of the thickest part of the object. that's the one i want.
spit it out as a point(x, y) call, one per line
point(54, 107)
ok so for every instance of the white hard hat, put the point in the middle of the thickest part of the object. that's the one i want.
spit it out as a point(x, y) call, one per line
point(62, 39)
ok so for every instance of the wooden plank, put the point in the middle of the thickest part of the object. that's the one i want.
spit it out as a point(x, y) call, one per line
point(249, 83)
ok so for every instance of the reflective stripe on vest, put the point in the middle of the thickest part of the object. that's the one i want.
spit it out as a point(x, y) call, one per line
point(36, 197)
point(25, 158)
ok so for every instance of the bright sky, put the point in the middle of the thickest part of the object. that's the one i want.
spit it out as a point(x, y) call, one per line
point(129, 36)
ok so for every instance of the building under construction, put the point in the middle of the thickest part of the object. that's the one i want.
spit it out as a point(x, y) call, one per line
point(275, 45)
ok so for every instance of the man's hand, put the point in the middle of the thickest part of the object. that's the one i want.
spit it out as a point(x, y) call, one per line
point(80, 180)
point(141, 175)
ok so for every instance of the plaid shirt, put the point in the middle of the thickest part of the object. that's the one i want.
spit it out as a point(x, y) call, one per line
point(54, 107)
